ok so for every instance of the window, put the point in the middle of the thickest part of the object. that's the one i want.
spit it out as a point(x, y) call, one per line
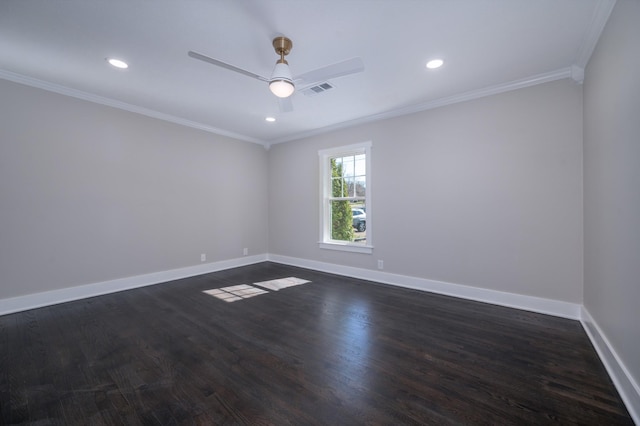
point(345, 191)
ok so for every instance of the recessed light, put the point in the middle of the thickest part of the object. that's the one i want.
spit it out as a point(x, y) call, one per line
point(435, 63)
point(118, 63)
point(270, 119)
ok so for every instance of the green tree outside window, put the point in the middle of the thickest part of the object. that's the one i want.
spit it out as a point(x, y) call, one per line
point(341, 215)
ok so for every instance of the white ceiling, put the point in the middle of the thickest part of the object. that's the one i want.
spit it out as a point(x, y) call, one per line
point(487, 45)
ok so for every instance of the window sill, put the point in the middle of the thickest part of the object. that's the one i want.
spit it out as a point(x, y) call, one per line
point(353, 248)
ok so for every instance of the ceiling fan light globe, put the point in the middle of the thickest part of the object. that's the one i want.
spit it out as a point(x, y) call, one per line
point(281, 88)
point(281, 82)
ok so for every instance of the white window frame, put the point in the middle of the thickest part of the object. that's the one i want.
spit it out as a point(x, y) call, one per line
point(325, 193)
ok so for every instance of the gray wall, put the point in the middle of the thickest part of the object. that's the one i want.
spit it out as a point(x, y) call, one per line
point(90, 193)
point(612, 184)
point(486, 193)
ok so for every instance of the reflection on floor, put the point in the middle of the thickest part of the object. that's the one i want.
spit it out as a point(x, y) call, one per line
point(245, 291)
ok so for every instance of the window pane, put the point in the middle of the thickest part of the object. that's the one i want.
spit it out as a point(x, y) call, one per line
point(337, 187)
point(359, 212)
point(360, 165)
point(337, 161)
point(341, 221)
point(350, 187)
point(360, 186)
point(348, 166)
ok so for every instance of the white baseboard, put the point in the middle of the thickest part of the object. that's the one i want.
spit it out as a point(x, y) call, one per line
point(625, 384)
point(47, 298)
point(512, 300)
point(528, 303)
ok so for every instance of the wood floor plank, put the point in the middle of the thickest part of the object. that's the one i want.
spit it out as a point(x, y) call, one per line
point(335, 351)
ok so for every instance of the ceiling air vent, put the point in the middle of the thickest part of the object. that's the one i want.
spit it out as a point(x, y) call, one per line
point(317, 89)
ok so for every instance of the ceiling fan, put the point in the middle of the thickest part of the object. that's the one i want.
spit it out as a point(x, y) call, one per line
point(282, 83)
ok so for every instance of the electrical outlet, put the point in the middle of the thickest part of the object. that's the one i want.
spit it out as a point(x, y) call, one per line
point(203, 257)
point(380, 264)
point(245, 251)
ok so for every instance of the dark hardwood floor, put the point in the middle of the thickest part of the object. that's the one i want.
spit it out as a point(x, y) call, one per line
point(336, 351)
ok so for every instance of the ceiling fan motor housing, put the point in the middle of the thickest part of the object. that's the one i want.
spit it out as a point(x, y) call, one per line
point(283, 46)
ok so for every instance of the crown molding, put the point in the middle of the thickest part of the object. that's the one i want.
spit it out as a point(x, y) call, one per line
point(598, 21)
point(79, 94)
point(567, 72)
point(575, 72)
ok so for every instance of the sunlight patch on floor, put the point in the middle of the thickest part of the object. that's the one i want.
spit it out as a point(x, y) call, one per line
point(281, 283)
point(236, 292)
point(245, 291)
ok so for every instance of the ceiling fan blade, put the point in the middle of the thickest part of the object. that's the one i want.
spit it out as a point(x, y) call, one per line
point(230, 67)
point(285, 104)
point(350, 66)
